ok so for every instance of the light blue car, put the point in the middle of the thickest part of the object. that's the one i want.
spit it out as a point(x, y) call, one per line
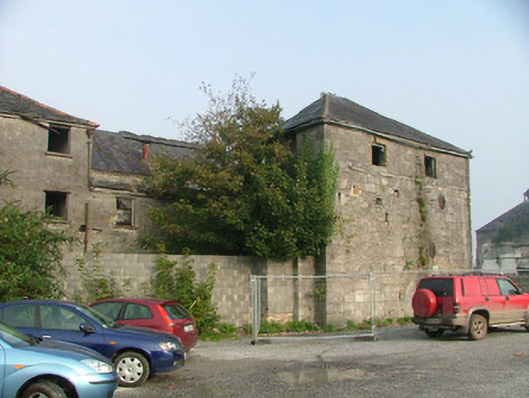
point(30, 368)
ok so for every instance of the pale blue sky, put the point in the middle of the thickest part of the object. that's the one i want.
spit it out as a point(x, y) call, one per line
point(454, 69)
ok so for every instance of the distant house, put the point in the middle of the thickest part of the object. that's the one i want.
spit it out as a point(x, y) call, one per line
point(90, 180)
point(503, 244)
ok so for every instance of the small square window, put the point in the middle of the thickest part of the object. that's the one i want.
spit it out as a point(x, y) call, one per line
point(124, 212)
point(430, 169)
point(59, 139)
point(57, 204)
point(378, 155)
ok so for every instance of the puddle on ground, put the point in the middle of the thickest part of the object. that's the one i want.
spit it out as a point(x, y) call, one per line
point(318, 376)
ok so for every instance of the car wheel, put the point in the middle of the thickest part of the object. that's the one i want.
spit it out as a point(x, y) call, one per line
point(133, 369)
point(434, 333)
point(478, 327)
point(43, 389)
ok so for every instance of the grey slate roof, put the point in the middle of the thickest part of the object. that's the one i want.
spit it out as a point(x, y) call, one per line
point(518, 215)
point(122, 152)
point(331, 108)
point(17, 104)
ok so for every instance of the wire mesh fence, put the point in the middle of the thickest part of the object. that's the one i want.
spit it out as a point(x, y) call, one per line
point(337, 306)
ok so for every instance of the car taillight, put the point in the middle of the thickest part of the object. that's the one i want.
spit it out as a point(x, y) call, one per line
point(457, 308)
point(166, 316)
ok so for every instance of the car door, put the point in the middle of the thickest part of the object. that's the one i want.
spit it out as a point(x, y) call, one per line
point(138, 315)
point(2, 369)
point(515, 304)
point(64, 323)
point(493, 300)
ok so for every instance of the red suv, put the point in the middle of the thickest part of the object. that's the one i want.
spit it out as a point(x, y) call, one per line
point(469, 304)
point(166, 316)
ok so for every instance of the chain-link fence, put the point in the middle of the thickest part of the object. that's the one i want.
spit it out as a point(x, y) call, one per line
point(343, 306)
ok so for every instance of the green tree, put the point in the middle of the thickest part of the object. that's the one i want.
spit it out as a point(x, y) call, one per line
point(244, 191)
point(30, 256)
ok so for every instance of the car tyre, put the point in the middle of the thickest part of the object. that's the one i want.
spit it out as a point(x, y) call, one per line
point(43, 389)
point(434, 334)
point(424, 303)
point(133, 369)
point(478, 327)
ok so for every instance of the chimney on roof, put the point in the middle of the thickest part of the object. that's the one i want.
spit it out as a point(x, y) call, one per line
point(146, 153)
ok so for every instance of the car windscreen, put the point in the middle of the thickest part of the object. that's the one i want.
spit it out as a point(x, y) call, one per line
point(441, 287)
point(176, 311)
point(15, 338)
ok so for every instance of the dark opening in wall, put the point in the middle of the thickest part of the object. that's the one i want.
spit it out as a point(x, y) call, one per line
point(59, 139)
point(124, 211)
point(430, 169)
point(57, 204)
point(378, 155)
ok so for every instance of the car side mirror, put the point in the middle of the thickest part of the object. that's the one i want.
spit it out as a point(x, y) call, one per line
point(84, 327)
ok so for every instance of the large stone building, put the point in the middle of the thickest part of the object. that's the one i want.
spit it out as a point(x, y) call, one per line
point(503, 243)
point(403, 196)
point(403, 203)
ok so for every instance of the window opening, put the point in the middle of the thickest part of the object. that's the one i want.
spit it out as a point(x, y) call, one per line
point(429, 167)
point(59, 139)
point(56, 204)
point(124, 213)
point(378, 155)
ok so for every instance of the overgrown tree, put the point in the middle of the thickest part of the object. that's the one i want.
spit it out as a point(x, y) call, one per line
point(245, 190)
point(30, 256)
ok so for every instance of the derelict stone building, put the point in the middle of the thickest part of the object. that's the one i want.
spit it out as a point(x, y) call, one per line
point(403, 196)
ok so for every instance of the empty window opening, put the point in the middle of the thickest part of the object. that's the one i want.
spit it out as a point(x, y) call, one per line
point(57, 205)
point(429, 167)
point(59, 139)
point(378, 155)
point(124, 211)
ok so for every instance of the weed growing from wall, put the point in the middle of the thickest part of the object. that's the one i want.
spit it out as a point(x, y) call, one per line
point(174, 281)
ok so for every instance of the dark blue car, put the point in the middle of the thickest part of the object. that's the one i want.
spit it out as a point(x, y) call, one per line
point(135, 352)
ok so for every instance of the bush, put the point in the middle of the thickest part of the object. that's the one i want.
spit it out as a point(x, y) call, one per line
point(30, 255)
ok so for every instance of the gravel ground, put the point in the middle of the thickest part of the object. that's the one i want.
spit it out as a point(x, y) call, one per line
point(402, 363)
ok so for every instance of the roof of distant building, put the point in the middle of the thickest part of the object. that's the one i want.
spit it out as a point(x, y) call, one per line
point(331, 108)
point(518, 217)
point(123, 152)
point(13, 103)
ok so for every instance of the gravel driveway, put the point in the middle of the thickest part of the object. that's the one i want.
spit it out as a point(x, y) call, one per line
point(403, 363)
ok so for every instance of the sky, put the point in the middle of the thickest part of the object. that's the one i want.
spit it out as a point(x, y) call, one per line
point(455, 69)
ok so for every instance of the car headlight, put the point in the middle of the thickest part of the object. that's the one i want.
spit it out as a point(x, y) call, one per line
point(168, 346)
point(98, 366)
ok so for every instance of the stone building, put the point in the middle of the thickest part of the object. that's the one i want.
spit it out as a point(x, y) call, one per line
point(91, 180)
point(503, 243)
point(403, 196)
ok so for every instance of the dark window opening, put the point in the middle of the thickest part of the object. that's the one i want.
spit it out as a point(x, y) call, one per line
point(429, 167)
point(124, 213)
point(378, 155)
point(56, 204)
point(59, 139)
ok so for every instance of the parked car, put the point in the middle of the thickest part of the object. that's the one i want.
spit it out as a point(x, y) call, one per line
point(469, 304)
point(165, 315)
point(135, 352)
point(33, 368)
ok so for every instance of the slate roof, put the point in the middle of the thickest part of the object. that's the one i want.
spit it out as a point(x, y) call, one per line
point(13, 103)
point(122, 152)
point(518, 215)
point(331, 108)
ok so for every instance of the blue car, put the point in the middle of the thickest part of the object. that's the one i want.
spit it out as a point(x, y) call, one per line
point(135, 352)
point(33, 368)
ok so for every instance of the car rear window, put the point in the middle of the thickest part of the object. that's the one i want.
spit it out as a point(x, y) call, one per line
point(441, 287)
point(176, 311)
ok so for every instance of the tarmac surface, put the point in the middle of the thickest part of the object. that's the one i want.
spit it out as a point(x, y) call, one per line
point(402, 363)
